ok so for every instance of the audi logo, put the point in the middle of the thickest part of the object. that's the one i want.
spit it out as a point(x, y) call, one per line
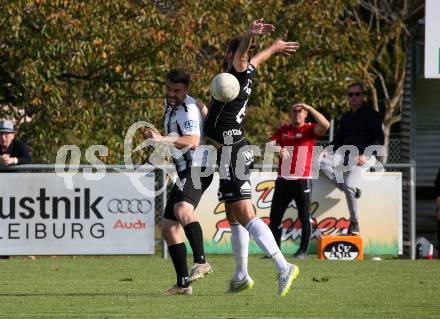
point(133, 206)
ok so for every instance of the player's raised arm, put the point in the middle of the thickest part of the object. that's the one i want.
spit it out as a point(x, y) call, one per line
point(278, 46)
point(322, 124)
point(241, 57)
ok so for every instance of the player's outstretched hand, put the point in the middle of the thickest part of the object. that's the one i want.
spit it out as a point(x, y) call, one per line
point(284, 47)
point(258, 27)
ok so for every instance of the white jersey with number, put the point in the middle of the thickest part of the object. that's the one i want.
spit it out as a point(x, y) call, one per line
point(181, 120)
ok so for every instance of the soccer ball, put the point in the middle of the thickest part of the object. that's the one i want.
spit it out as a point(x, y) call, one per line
point(225, 87)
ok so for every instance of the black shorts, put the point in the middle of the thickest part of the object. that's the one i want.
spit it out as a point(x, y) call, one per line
point(186, 192)
point(299, 190)
point(235, 162)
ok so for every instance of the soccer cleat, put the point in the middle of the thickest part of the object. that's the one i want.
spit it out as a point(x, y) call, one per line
point(286, 279)
point(236, 286)
point(353, 229)
point(199, 271)
point(176, 290)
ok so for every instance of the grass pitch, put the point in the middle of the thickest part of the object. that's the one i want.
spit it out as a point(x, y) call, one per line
point(129, 287)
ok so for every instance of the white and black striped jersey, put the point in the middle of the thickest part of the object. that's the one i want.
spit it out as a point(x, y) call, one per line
point(225, 120)
point(185, 119)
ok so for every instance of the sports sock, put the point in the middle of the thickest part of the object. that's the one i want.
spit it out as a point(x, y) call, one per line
point(262, 235)
point(178, 256)
point(240, 247)
point(194, 233)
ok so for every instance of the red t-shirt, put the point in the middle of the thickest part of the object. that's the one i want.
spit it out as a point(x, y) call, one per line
point(302, 139)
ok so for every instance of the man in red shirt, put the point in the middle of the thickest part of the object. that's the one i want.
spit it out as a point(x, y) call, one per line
point(297, 140)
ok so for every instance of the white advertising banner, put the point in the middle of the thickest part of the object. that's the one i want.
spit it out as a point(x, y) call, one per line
point(39, 215)
point(380, 217)
point(432, 39)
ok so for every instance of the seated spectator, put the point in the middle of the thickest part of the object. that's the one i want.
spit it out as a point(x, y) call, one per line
point(12, 151)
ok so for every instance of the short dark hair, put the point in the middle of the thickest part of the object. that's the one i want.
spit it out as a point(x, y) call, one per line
point(356, 84)
point(179, 75)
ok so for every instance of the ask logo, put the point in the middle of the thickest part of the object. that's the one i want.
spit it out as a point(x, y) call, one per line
point(341, 250)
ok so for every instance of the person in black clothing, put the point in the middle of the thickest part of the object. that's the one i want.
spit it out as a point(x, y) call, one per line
point(437, 201)
point(224, 126)
point(12, 151)
point(360, 127)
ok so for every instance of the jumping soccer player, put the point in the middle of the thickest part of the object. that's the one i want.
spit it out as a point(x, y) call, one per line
point(294, 179)
point(183, 124)
point(224, 127)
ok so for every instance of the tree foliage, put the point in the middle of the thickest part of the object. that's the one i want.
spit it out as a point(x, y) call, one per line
point(384, 34)
point(81, 72)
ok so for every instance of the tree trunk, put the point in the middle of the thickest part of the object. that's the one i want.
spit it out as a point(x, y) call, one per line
point(386, 144)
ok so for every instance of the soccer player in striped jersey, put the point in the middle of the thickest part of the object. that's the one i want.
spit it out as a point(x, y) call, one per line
point(183, 124)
